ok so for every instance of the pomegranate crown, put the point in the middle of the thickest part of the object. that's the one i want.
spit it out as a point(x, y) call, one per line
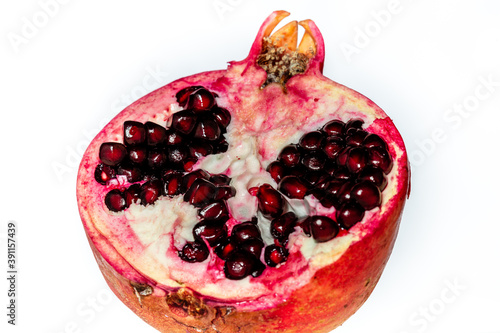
point(279, 52)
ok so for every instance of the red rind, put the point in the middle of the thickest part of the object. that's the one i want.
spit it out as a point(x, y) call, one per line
point(331, 297)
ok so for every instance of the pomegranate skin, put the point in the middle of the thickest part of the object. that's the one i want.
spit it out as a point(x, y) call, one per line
point(333, 294)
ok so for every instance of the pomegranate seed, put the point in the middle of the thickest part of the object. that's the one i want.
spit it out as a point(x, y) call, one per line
point(182, 95)
point(253, 245)
point(200, 193)
point(293, 187)
point(258, 267)
point(214, 232)
point(199, 149)
point(201, 100)
point(349, 214)
point(354, 123)
point(177, 154)
point(239, 265)
point(270, 201)
point(103, 173)
point(172, 183)
point(132, 173)
point(277, 170)
point(222, 147)
point(253, 191)
point(132, 194)
point(305, 225)
point(184, 121)
point(373, 140)
point(333, 146)
point(220, 180)
point(329, 200)
point(356, 137)
point(137, 155)
point(115, 200)
point(331, 167)
point(207, 129)
point(324, 182)
point(314, 178)
point(344, 192)
point(112, 153)
point(222, 117)
point(374, 175)
point(189, 178)
point(334, 186)
point(317, 193)
point(323, 228)
point(156, 159)
point(334, 128)
point(283, 226)
point(225, 192)
point(298, 171)
point(290, 156)
point(275, 255)
point(342, 156)
point(313, 161)
point(243, 231)
point(173, 137)
point(366, 194)
point(357, 159)
point(194, 252)
point(225, 249)
point(189, 164)
point(155, 134)
point(312, 140)
point(214, 211)
point(134, 133)
point(150, 191)
point(342, 174)
point(381, 158)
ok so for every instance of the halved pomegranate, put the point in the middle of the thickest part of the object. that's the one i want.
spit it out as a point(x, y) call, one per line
point(261, 198)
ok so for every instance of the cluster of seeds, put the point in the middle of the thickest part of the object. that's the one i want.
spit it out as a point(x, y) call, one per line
point(341, 164)
point(157, 160)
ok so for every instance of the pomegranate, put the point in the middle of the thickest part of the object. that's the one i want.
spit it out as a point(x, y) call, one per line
point(260, 198)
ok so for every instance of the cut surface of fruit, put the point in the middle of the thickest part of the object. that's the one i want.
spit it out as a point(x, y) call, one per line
point(232, 200)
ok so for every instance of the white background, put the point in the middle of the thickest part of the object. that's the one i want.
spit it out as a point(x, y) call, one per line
point(65, 74)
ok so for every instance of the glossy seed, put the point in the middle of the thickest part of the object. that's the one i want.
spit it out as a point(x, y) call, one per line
point(115, 200)
point(194, 252)
point(323, 228)
point(293, 187)
point(283, 226)
point(270, 201)
point(112, 153)
point(275, 255)
point(155, 134)
point(349, 214)
point(312, 140)
point(366, 194)
point(134, 133)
